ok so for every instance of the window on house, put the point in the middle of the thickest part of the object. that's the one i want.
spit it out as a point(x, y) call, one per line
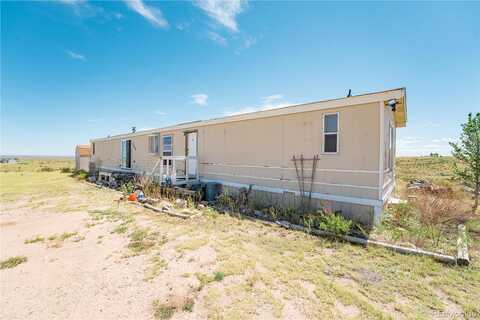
point(93, 148)
point(153, 144)
point(167, 145)
point(330, 133)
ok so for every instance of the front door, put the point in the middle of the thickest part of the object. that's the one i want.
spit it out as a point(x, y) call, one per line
point(126, 154)
point(192, 152)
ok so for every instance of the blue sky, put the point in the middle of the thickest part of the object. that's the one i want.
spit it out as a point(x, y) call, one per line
point(76, 70)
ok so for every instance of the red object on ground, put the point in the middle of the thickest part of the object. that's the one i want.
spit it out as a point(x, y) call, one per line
point(132, 197)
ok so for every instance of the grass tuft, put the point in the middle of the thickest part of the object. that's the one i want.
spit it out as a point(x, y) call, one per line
point(162, 311)
point(12, 262)
point(37, 238)
point(218, 276)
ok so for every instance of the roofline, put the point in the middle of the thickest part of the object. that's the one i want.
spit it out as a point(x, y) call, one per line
point(297, 108)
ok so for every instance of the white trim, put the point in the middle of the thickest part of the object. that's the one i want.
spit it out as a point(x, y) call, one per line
point(381, 151)
point(289, 180)
point(386, 184)
point(388, 193)
point(315, 195)
point(331, 133)
point(300, 108)
point(285, 168)
point(377, 214)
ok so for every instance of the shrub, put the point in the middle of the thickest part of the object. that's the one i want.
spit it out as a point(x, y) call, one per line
point(399, 214)
point(79, 174)
point(66, 170)
point(219, 276)
point(46, 169)
point(188, 306)
point(228, 201)
point(163, 311)
point(148, 186)
point(127, 188)
point(335, 223)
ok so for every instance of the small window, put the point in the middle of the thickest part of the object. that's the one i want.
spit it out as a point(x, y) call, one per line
point(153, 144)
point(330, 133)
point(167, 146)
point(93, 148)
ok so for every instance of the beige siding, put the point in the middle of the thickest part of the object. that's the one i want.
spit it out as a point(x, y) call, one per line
point(259, 151)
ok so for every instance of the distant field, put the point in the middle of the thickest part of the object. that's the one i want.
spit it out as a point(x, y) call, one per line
point(438, 170)
point(38, 164)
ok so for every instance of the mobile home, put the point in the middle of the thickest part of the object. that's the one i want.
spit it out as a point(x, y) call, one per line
point(353, 137)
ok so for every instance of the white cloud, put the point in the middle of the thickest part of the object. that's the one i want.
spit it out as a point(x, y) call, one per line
point(160, 113)
point(200, 99)
point(85, 10)
point(218, 39)
point(223, 12)
point(76, 56)
point(418, 146)
point(152, 14)
point(249, 42)
point(269, 102)
point(72, 2)
point(182, 26)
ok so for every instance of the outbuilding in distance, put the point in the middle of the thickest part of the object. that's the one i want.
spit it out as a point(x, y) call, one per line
point(82, 157)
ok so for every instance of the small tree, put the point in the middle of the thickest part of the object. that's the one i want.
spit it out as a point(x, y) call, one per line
point(467, 151)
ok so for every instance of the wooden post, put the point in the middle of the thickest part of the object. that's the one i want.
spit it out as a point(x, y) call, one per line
point(462, 247)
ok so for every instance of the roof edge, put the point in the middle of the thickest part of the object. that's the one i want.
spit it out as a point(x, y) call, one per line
point(296, 108)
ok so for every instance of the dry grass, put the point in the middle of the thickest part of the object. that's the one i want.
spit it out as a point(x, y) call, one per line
point(12, 262)
point(253, 270)
point(431, 217)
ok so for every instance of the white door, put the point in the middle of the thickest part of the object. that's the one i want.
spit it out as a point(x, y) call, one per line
point(192, 152)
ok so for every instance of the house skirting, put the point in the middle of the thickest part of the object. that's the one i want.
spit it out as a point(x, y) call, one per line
point(361, 210)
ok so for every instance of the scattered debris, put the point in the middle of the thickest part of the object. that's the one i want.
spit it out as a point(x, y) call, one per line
point(132, 197)
point(167, 208)
point(140, 195)
point(180, 203)
point(422, 185)
point(417, 184)
point(394, 200)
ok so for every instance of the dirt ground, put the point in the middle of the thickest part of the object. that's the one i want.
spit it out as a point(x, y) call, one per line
point(92, 257)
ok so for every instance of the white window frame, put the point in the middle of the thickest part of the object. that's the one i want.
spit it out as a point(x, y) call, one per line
point(163, 145)
point(155, 146)
point(331, 133)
